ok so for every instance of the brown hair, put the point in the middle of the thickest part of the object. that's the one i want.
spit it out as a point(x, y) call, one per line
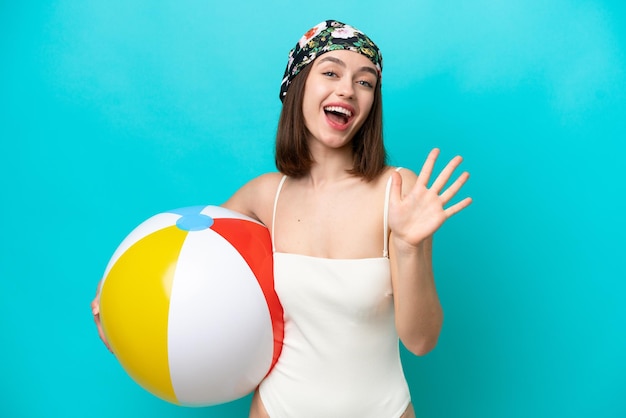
point(293, 157)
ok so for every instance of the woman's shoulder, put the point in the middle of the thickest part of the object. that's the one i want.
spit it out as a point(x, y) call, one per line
point(263, 187)
point(268, 179)
point(408, 176)
point(256, 197)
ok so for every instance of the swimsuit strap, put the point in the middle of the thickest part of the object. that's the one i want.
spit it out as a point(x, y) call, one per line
point(280, 186)
point(385, 216)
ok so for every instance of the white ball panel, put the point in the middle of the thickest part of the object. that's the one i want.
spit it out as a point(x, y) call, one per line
point(220, 337)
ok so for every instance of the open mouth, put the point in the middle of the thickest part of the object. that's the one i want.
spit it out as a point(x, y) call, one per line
point(337, 114)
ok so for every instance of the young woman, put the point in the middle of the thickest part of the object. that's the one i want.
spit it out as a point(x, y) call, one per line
point(352, 238)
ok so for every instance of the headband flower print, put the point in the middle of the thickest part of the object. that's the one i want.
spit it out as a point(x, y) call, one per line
point(329, 35)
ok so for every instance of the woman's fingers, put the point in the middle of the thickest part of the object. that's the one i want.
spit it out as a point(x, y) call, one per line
point(457, 207)
point(427, 169)
point(396, 186)
point(446, 174)
point(95, 307)
point(439, 184)
point(445, 195)
point(451, 191)
point(95, 310)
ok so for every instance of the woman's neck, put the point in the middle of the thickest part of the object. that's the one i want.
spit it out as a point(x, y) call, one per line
point(330, 170)
point(330, 164)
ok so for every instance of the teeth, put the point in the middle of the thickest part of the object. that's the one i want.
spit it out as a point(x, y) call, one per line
point(338, 109)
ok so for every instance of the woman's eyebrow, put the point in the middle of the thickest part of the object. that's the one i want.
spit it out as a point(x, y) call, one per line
point(339, 62)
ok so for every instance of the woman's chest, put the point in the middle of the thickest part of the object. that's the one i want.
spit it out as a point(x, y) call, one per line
point(341, 225)
point(352, 290)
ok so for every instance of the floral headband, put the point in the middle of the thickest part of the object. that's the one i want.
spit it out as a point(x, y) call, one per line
point(329, 35)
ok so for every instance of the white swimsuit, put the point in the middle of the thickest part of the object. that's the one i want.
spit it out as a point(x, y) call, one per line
point(340, 356)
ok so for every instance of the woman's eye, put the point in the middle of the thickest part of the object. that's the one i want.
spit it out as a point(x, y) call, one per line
point(365, 83)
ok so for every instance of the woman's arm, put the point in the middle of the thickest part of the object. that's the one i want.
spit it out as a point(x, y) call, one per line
point(419, 315)
point(416, 212)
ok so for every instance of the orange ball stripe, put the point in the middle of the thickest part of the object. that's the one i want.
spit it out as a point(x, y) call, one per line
point(253, 242)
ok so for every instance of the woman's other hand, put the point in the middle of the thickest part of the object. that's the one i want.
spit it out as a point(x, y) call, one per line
point(95, 310)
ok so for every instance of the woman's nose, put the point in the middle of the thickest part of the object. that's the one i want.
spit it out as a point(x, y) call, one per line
point(345, 88)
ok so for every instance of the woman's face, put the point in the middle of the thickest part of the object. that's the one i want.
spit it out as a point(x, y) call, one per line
point(338, 96)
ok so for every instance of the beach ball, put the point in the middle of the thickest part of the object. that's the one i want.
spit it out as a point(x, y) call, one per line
point(188, 305)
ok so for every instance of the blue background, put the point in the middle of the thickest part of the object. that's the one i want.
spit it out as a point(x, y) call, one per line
point(112, 111)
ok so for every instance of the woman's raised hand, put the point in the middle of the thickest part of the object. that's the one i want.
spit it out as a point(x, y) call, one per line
point(418, 213)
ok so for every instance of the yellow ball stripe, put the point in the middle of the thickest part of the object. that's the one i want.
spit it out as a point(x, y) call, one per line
point(134, 306)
